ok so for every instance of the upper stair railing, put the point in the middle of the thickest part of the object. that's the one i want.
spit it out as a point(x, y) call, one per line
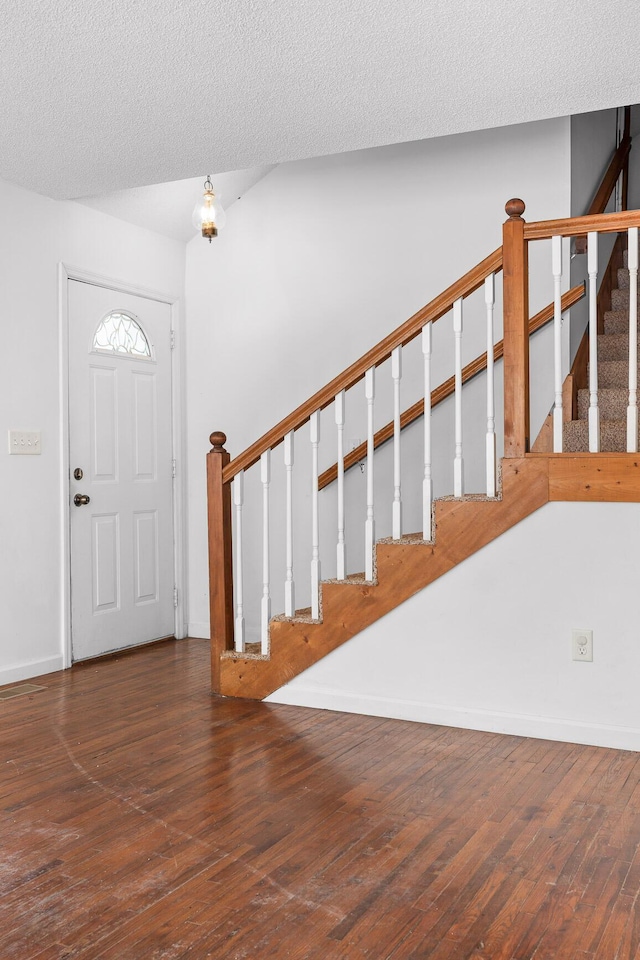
point(616, 178)
point(517, 237)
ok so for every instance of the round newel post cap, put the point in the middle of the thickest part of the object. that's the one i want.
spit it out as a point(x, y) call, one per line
point(218, 439)
point(514, 208)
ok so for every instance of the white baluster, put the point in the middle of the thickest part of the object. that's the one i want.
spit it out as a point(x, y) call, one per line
point(427, 482)
point(458, 465)
point(369, 527)
point(556, 269)
point(315, 525)
point(490, 299)
point(341, 565)
point(238, 500)
point(396, 512)
point(265, 610)
point(632, 409)
point(289, 585)
point(594, 413)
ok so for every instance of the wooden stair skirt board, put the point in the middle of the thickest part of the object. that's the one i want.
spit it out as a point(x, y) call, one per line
point(403, 568)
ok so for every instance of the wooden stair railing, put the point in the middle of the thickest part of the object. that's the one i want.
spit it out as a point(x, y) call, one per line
point(221, 469)
point(517, 236)
point(446, 389)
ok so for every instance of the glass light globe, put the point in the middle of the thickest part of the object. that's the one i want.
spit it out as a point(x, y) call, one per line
point(208, 214)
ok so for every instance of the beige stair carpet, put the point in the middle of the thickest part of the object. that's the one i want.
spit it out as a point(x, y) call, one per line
point(613, 380)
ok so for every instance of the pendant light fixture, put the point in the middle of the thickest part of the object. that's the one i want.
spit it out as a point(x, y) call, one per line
point(208, 215)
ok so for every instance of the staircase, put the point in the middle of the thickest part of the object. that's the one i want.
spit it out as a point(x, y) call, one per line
point(453, 527)
point(613, 376)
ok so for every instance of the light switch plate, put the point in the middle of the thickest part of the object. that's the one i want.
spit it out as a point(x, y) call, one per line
point(25, 442)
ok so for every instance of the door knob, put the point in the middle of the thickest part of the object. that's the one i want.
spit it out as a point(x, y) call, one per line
point(81, 499)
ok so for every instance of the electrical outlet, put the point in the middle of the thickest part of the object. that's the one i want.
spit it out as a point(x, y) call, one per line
point(582, 645)
point(24, 442)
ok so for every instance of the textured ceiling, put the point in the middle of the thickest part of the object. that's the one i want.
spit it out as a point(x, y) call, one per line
point(101, 95)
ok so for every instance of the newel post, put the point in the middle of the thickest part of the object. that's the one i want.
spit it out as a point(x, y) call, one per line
point(220, 556)
point(516, 332)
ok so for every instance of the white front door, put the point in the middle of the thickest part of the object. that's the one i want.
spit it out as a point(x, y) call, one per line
point(121, 487)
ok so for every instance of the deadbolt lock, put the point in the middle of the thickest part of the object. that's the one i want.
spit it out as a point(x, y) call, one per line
point(78, 474)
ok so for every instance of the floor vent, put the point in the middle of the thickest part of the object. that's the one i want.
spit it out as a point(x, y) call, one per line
point(9, 692)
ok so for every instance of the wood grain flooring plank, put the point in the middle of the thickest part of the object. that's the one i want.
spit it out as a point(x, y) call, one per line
point(567, 921)
point(610, 899)
point(615, 931)
point(501, 936)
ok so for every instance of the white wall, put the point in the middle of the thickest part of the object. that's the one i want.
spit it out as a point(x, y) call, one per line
point(318, 262)
point(36, 235)
point(501, 660)
point(593, 141)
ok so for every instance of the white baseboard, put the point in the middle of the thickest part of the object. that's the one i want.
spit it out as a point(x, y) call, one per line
point(29, 669)
point(200, 631)
point(520, 725)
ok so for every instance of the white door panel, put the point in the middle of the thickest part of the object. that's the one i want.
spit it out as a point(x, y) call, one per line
point(120, 438)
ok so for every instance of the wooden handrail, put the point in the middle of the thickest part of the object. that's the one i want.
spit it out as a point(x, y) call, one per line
point(610, 178)
point(578, 226)
point(403, 334)
point(446, 388)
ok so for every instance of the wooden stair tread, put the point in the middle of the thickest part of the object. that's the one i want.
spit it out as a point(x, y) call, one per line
point(469, 498)
point(350, 578)
point(303, 615)
point(405, 538)
point(252, 651)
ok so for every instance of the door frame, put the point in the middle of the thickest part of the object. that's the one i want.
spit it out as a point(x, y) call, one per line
point(67, 272)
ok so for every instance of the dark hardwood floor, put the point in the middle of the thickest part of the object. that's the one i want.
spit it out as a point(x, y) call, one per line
point(143, 818)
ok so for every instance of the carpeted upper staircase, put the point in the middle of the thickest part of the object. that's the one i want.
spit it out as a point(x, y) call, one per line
point(613, 379)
